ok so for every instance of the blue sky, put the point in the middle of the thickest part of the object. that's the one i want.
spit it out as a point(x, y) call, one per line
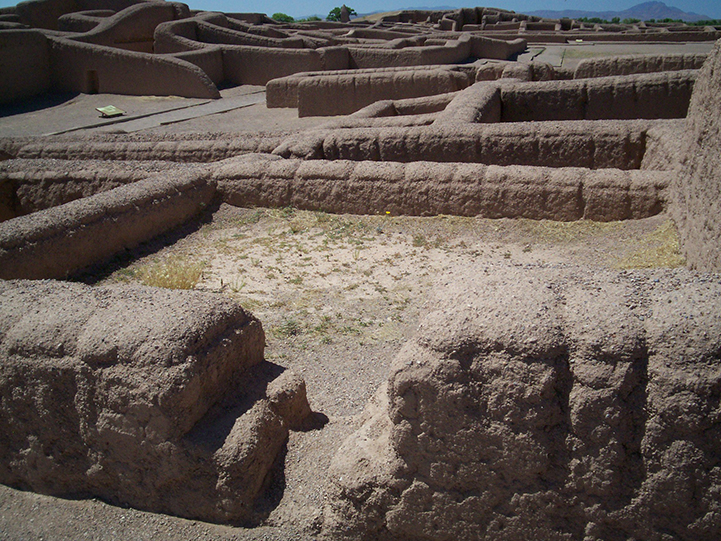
point(299, 8)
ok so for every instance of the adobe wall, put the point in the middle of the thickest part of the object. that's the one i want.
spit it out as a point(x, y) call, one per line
point(208, 59)
point(154, 442)
point(25, 54)
point(544, 403)
point(211, 33)
point(484, 46)
point(258, 65)
point(45, 13)
point(591, 144)
point(429, 188)
point(89, 68)
point(83, 21)
point(696, 208)
point(479, 103)
point(177, 36)
point(132, 29)
point(283, 91)
point(59, 241)
point(32, 185)
point(332, 95)
point(631, 64)
point(168, 148)
point(658, 95)
point(455, 51)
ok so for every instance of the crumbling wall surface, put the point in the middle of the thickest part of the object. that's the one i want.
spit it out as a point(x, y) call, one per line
point(26, 55)
point(56, 242)
point(426, 188)
point(696, 208)
point(632, 64)
point(110, 391)
point(591, 144)
point(544, 403)
point(664, 148)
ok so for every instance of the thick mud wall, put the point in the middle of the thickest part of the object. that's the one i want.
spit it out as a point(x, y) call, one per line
point(428, 188)
point(110, 392)
point(696, 207)
point(544, 403)
point(61, 240)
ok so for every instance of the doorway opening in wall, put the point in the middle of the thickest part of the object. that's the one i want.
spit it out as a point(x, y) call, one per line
point(92, 84)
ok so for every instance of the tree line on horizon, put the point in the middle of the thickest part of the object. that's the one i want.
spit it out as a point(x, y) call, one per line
point(334, 15)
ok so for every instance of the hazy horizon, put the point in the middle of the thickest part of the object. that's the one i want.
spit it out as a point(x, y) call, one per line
point(301, 8)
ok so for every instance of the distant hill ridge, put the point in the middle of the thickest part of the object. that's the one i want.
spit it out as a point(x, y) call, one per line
point(644, 12)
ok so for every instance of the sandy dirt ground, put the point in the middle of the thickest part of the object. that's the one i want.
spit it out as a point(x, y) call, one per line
point(337, 295)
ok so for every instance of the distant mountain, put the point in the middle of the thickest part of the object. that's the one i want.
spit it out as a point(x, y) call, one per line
point(644, 12)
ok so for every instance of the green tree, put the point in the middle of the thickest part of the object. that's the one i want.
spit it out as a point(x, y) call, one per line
point(334, 14)
point(282, 18)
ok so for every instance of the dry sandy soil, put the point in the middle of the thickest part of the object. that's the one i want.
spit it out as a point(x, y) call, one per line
point(337, 295)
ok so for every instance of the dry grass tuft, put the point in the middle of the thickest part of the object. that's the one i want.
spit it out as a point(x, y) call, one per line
point(172, 273)
point(566, 232)
point(659, 249)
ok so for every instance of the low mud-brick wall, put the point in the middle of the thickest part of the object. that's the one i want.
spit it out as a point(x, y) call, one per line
point(141, 396)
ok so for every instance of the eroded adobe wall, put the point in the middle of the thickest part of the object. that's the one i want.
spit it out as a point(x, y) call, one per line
point(32, 185)
point(631, 64)
point(258, 65)
point(108, 391)
point(26, 55)
point(658, 95)
point(133, 28)
point(56, 242)
point(544, 403)
point(283, 91)
point(427, 188)
point(332, 95)
point(89, 68)
point(591, 144)
point(143, 147)
point(696, 204)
